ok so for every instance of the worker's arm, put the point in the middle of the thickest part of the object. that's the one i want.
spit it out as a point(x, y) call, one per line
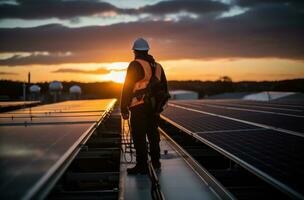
point(134, 74)
point(163, 80)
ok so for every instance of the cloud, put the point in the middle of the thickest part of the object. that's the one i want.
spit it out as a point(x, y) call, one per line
point(191, 6)
point(36, 57)
point(259, 2)
point(8, 73)
point(80, 71)
point(297, 5)
point(37, 9)
point(263, 31)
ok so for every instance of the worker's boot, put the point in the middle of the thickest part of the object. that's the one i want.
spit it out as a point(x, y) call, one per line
point(138, 169)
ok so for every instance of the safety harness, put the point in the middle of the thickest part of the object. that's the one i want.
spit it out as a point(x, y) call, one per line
point(140, 86)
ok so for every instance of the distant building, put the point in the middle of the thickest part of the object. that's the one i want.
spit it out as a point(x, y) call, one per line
point(55, 88)
point(35, 92)
point(75, 92)
point(183, 94)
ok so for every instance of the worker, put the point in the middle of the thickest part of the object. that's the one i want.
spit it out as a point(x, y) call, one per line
point(143, 122)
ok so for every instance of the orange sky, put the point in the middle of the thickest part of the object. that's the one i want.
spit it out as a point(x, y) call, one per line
point(193, 40)
point(186, 69)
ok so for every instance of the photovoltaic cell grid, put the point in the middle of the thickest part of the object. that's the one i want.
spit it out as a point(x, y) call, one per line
point(249, 104)
point(267, 107)
point(278, 154)
point(32, 148)
point(279, 119)
point(65, 112)
point(201, 122)
point(272, 104)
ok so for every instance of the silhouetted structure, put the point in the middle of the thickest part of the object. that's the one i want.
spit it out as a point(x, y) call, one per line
point(12, 90)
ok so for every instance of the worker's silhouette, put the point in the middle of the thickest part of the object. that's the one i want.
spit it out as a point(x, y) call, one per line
point(143, 120)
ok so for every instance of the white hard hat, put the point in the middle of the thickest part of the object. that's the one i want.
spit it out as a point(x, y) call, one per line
point(140, 44)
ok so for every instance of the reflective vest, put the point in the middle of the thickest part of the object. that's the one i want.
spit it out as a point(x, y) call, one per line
point(143, 83)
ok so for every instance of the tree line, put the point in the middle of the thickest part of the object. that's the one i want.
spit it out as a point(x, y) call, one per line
point(13, 90)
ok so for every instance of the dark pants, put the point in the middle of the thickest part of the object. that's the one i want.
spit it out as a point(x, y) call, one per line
point(143, 124)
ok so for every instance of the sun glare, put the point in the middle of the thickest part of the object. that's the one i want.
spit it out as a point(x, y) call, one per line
point(117, 76)
point(116, 65)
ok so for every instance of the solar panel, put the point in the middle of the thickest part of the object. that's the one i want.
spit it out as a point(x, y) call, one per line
point(272, 153)
point(35, 120)
point(38, 115)
point(202, 122)
point(253, 107)
point(4, 104)
point(29, 153)
point(281, 121)
point(270, 104)
point(32, 153)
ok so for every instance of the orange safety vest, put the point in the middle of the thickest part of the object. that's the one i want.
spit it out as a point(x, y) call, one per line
point(143, 83)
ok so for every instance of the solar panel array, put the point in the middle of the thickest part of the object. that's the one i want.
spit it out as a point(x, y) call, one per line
point(34, 142)
point(266, 138)
point(292, 117)
point(4, 104)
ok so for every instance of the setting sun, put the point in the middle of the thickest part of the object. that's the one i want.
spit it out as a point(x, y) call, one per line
point(116, 76)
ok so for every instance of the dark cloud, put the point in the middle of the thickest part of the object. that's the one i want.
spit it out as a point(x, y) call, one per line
point(255, 2)
point(192, 6)
point(8, 73)
point(36, 57)
point(80, 71)
point(43, 9)
point(250, 3)
point(263, 31)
